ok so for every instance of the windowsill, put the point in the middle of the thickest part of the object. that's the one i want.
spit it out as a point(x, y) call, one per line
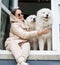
point(34, 55)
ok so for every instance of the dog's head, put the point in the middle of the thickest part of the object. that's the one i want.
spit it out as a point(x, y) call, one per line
point(31, 20)
point(44, 14)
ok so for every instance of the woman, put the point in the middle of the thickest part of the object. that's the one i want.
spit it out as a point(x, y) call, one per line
point(18, 40)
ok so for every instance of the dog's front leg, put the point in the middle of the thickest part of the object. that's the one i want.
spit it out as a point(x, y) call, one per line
point(49, 44)
point(35, 44)
point(41, 44)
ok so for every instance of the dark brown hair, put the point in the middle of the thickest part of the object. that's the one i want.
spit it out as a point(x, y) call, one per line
point(14, 10)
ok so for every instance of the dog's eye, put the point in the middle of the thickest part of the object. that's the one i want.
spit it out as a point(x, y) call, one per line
point(43, 12)
point(31, 17)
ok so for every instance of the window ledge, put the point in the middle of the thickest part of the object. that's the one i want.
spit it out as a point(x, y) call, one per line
point(34, 55)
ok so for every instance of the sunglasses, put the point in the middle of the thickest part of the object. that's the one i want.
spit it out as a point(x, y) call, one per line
point(20, 14)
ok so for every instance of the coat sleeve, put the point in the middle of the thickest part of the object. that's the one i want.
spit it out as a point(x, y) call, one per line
point(17, 30)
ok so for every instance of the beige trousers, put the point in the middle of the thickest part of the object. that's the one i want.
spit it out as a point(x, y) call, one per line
point(20, 52)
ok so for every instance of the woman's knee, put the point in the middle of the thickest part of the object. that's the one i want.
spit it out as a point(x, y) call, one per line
point(26, 45)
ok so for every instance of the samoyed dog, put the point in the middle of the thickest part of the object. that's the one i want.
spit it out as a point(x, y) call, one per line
point(31, 22)
point(44, 20)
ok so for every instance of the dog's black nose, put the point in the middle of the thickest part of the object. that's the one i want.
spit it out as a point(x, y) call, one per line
point(34, 19)
point(47, 15)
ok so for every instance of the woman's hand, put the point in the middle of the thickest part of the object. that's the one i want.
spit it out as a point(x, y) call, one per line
point(43, 31)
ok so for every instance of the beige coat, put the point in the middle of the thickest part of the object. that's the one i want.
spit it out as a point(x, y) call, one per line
point(19, 33)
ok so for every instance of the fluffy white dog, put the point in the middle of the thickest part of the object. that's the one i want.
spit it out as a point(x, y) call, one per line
point(31, 22)
point(44, 20)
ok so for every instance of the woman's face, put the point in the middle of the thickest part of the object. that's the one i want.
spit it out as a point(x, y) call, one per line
point(19, 15)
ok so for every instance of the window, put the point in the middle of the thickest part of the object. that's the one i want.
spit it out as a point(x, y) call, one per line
point(32, 6)
point(0, 25)
point(45, 55)
point(4, 22)
point(35, 5)
point(6, 3)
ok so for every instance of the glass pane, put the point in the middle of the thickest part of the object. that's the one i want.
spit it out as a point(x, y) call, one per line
point(0, 23)
point(3, 23)
point(6, 3)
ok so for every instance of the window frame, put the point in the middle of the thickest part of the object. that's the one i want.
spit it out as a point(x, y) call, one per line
point(34, 1)
point(55, 27)
point(55, 39)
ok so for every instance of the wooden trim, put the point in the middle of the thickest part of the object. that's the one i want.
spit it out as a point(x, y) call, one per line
point(55, 26)
point(34, 55)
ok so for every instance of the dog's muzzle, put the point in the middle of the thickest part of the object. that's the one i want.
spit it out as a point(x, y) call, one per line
point(47, 16)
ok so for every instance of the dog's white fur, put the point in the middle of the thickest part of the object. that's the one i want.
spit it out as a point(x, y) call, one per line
point(31, 22)
point(44, 20)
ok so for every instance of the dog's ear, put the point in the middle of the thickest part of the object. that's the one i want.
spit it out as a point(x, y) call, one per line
point(38, 13)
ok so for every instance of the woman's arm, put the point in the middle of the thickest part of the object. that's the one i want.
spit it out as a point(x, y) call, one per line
point(17, 30)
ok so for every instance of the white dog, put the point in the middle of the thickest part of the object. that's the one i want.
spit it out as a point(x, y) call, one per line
point(31, 22)
point(44, 20)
